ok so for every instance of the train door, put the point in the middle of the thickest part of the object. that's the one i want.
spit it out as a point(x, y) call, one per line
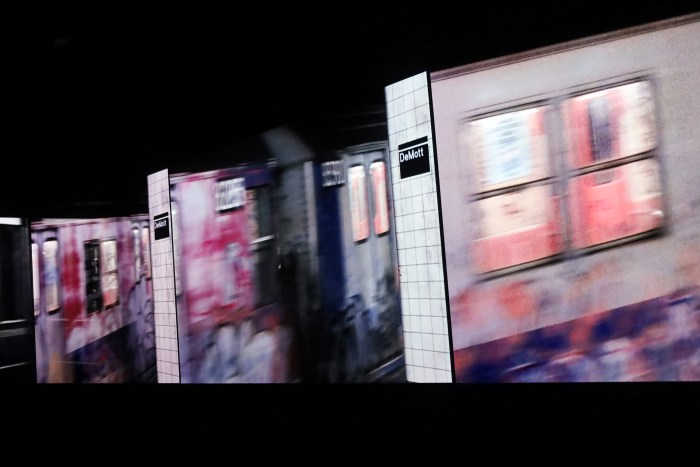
point(140, 305)
point(225, 263)
point(17, 354)
point(371, 294)
point(49, 329)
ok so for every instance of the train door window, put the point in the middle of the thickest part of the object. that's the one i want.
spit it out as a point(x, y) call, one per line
point(93, 286)
point(146, 251)
point(358, 203)
point(615, 188)
point(35, 277)
point(50, 254)
point(137, 253)
point(515, 203)
point(109, 266)
point(262, 246)
point(377, 171)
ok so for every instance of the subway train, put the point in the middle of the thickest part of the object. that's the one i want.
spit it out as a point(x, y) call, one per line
point(285, 269)
point(570, 211)
point(93, 300)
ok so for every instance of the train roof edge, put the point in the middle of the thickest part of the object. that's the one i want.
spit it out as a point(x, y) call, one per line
point(469, 68)
point(55, 222)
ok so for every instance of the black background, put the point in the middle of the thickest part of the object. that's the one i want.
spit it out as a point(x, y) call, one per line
point(96, 98)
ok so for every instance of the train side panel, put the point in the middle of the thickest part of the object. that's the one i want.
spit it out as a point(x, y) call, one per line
point(235, 328)
point(96, 320)
point(619, 187)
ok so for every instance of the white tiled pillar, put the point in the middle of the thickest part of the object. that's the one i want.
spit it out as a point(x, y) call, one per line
point(167, 357)
point(423, 304)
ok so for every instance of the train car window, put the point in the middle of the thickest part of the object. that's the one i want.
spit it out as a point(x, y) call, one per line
point(615, 188)
point(514, 205)
point(262, 247)
point(516, 227)
point(51, 286)
point(258, 210)
point(610, 124)
point(615, 203)
point(137, 253)
point(35, 277)
point(508, 149)
point(93, 283)
point(109, 266)
point(358, 203)
point(377, 171)
point(146, 249)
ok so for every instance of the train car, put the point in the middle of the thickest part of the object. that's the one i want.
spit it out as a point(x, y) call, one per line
point(231, 324)
point(570, 211)
point(336, 228)
point(285, 270)
point(93, 307)
point(357, 262)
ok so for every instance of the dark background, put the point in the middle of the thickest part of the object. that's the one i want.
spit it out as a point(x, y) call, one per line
point(97, 98)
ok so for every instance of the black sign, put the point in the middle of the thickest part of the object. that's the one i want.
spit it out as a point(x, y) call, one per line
point(333, 173)
point(413, 157)
point(230, 194)
point(160, 226)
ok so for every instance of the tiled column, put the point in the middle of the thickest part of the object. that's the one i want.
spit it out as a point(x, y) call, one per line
point(163, 281)
point(418, 241)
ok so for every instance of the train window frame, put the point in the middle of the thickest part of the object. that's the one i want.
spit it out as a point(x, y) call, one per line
point(57, 272)
point(359, 234)
point(375, 197)
point(549, 177)
point(575, 171)
point(562, 170)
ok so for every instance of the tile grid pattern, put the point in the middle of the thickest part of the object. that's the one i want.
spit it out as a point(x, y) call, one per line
point(423, 303)
point(167, 358)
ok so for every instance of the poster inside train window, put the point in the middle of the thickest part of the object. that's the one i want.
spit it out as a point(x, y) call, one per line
point(610, 124)
point(50, 254)
point(515, 228)
point(508, 149)
point(616, 203)
point(377, 171)
point(358, 203)
point(110, 282)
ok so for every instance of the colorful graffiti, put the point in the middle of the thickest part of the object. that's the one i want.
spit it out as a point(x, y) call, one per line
point(654, 340)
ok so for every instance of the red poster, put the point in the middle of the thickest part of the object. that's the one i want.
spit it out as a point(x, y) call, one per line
point(610, 124)
point(615, 203)
point(516, 228)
